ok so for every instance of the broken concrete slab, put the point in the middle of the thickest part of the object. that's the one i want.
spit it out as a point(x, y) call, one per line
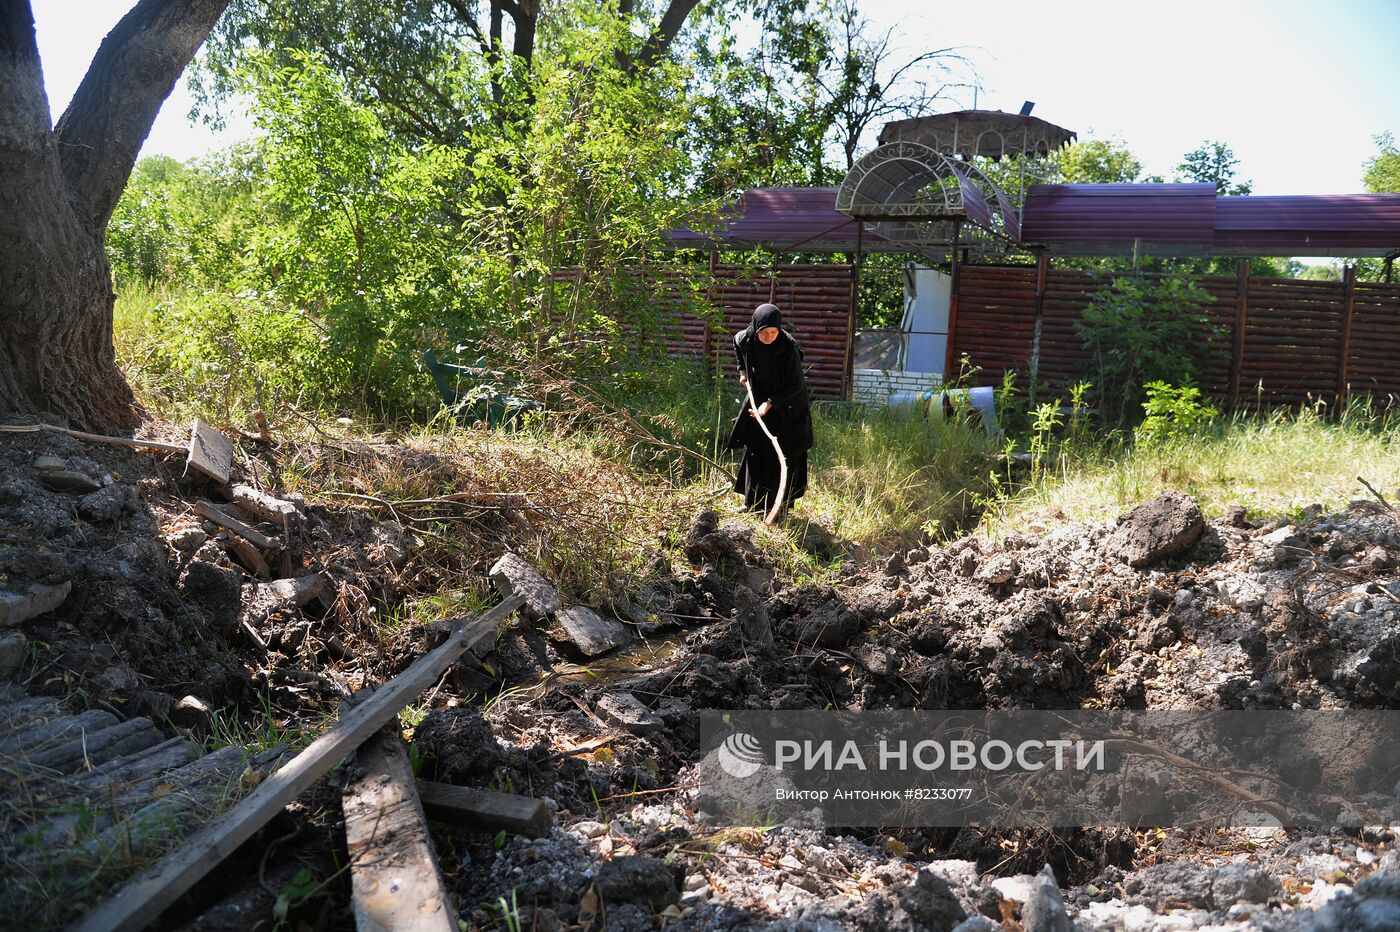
point(592, 633)
point(18, 607)
point(512, 574)
point(627, 711)
point(1163, 528)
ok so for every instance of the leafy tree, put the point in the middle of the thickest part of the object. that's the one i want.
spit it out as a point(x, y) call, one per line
point(801, 104)
point(1383, 169)
point(1098, 161)
point(416, 62)
point(1213, 163)
point(365, 245)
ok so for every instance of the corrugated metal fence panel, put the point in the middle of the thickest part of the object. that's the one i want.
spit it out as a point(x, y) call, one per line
point(1292, 339)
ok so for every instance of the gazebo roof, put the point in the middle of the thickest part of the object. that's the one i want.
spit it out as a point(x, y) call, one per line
point(992, 134)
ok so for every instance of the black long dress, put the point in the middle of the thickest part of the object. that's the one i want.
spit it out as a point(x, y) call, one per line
point(775, 375)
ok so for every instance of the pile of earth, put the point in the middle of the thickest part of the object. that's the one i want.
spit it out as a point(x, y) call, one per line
point(1162, 610)
point(112, 593)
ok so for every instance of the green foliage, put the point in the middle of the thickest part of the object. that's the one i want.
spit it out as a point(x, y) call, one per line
point(321, 263)
point(799, 102)
point(1046, 419)
point(1141, 330)
point(1098, 161)
point(1214, 162)
point(1172, 412)
point(1383, 168)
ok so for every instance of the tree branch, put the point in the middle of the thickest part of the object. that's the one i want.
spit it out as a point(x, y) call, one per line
point(134, 71)
point(659, 42)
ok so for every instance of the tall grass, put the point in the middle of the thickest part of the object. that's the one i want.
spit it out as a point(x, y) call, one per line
point(1271, 464)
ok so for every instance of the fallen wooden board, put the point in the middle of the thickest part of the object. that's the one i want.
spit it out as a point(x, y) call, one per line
point(265, 506)
point(141, 901)
point(219, 517)
point(210, 453)
point(249, 556)
point(463, 805)
point(394, 876)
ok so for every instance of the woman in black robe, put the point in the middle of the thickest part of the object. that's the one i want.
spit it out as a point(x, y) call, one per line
point(770, 362)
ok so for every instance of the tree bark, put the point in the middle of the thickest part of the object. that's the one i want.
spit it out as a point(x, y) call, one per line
point(58, 188)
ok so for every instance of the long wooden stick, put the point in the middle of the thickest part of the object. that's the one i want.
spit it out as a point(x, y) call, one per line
point(95, 438)
point(777, 448)
point(140, 902)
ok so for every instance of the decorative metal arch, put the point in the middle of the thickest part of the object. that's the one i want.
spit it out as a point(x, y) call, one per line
point(911, 193)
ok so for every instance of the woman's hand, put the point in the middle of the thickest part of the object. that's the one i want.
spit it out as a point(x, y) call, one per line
point(743, 379)
point(763, 409)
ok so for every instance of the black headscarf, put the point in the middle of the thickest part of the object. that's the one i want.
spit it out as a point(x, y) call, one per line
point(767, 315)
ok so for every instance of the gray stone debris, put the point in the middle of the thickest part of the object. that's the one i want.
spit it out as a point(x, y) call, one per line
point(1163, 528)
point(513, 574)
point(13, 646)
point(69, 480)
point(18, 607)
point(627, 711)
point(192, 712)
point(592, 633)
point(1044, 909)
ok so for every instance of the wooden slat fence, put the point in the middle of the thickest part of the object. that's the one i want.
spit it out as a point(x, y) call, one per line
point(1296, 345)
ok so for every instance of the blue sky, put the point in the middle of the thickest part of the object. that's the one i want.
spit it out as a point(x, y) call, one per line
point(1298, 89)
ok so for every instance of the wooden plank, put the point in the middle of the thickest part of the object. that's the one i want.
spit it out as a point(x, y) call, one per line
point(141, 901)
point(48, 734)
point(480, 809)
point(394, 876)
point(210, 452)
point(264, 506)
point(1348, 315)
point(1241, 312)
point(249, 557)
point(219, 517)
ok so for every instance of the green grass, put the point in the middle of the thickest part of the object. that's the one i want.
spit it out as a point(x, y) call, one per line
point(1273, 464)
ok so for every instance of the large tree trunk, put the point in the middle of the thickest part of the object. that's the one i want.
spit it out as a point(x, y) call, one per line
point(58, 187)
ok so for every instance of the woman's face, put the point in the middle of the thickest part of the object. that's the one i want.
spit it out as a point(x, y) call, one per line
point(767, 335)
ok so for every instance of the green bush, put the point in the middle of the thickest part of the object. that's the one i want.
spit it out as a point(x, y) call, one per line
point(1172, 412)
point(1140, 330)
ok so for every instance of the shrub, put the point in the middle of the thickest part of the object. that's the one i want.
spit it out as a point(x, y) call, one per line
point(1172, 411)
point(1140, 330)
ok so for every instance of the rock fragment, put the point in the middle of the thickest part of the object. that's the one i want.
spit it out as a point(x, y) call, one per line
point(1044, 909)
point(1161, 529)
point(627, 711)
point(513, 574)
point(592, 633)
point(18, 607)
